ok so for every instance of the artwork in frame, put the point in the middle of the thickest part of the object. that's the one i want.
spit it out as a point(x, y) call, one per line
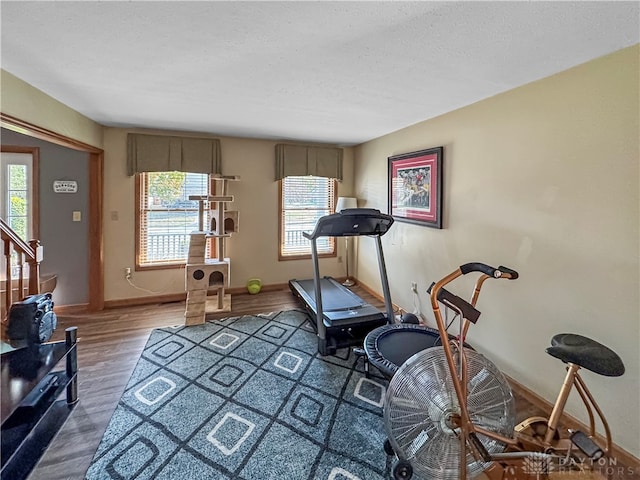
point(415, 187)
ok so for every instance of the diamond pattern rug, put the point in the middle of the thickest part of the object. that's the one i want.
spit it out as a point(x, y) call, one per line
point(245, 398)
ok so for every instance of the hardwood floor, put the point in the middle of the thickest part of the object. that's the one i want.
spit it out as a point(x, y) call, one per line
point(110, 343)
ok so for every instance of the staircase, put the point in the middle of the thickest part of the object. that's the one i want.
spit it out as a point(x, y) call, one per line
point(26, 259)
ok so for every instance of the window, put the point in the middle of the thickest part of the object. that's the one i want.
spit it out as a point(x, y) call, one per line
point(17, 193)
point(303, 201)
point(18, 205)
point(166, 216)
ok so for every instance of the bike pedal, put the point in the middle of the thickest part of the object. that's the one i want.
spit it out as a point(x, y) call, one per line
point(586, 445)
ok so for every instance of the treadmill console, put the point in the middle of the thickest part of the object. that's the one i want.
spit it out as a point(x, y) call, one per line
point(352, 222)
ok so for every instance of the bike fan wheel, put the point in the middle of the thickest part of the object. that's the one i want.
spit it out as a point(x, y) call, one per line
point(421, 408)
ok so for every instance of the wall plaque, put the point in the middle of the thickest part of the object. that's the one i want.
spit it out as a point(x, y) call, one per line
point(65, 186)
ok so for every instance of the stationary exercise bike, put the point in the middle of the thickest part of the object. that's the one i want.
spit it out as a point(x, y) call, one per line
point(449, 412)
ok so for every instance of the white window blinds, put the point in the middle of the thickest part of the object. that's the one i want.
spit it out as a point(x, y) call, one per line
point(304, 200)
point(166, 216)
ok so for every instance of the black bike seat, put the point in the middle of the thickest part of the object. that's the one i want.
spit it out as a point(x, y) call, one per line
point(589, 354)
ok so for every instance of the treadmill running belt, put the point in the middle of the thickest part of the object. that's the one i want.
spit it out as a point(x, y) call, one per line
point(335, 297)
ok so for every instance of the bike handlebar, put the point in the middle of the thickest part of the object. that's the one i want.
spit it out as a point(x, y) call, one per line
point(487, 272)
point(510, 273)
point(500, 272)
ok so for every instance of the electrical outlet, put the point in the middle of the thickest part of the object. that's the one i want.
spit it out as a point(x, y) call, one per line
point(414, 287)
point(127, 273)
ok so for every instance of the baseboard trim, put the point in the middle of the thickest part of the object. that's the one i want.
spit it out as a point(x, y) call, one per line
point(181, 297)
point(148, 300)
point(71, 309)
point(274, 287)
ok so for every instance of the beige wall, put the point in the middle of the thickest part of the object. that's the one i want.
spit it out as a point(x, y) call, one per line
point(253, 250)
point(27, 103)
point(543, 179)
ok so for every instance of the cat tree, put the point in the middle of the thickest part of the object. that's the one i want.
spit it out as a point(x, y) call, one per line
point(207, 278)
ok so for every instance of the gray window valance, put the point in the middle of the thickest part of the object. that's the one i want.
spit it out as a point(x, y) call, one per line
point(158, 153)
point(301, 160)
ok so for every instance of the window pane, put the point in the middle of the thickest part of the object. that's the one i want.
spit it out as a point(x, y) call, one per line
point(18, 203)
point(15, 186)
point(168, 216)
point(19, 225)
point(17, 177)
point(304, 201)
point(172, 189)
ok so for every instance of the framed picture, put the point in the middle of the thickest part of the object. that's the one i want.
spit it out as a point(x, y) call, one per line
point(415, 187)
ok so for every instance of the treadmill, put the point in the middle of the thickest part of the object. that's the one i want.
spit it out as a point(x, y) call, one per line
point(342, 318)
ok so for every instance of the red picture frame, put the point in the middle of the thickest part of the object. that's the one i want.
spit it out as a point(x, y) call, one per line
point(415, 187)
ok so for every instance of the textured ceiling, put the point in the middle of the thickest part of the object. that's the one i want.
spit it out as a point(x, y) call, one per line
point(339, 72)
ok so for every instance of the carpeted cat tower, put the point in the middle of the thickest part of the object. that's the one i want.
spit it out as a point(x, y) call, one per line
point(207, 278)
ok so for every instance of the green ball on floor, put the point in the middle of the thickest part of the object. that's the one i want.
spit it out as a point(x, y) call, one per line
point(254, 285)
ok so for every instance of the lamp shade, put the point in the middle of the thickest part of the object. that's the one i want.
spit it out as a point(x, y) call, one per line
point(346, 202)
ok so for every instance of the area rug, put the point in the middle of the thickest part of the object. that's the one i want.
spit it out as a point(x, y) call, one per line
point(245, 398)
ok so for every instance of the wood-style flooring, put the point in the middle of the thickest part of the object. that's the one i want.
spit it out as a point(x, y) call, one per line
point(110, 343)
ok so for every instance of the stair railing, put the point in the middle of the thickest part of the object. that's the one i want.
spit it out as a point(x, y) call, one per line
point(27, 254)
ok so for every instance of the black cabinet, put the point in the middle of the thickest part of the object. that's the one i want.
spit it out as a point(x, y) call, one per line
point(32, 379)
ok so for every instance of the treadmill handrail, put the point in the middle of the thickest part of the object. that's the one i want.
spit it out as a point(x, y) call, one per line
point(351, 222)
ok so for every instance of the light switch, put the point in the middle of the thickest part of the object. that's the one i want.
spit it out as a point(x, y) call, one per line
point(77, 216)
